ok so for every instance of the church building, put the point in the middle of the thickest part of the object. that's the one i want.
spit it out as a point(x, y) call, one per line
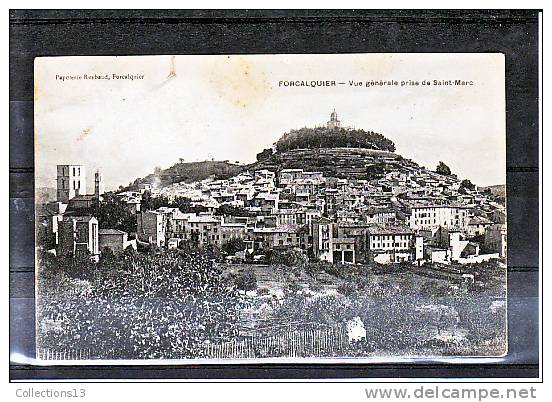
point(334, 122)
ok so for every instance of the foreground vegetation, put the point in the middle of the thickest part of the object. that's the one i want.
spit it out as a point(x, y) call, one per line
point(171, 304)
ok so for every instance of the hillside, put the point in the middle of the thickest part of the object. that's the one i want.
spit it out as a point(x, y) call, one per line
point(336, 152)
point(358, 163)
point(189, 172)
point(337, 137)
point(496, 190)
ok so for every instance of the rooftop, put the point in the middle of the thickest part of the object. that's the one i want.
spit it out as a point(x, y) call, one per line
point(83, 197)
point(79, 218)
point(111, 232)
point(390, 229)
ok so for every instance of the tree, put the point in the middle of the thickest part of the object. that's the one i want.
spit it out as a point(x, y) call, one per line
point(347, 289)
point(293, 258)
point(232, 246)
point(191, 244)
point(150, 203)
point(375, 171)
point(467, 184)
point(185, 205)
point(230, 210)
point(322, 137)
point(136, 305)
point(113, 213)
point(264, 155)
point(443, 169)
point(246, 280)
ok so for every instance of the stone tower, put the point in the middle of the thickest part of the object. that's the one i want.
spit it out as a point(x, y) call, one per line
point(98, 185)
point(71, 181)
point(334, 122)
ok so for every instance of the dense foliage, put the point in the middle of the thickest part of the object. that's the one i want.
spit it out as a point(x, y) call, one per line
point(403, 314)
point(135, 305)
point(191, 172)
point(246, 280)
point(232, 246)
point(443, 169)
point(322, 137)
point(183, 203)
point(172, 304)
point(466, 185)
point(114, 214)
point(292, 258)
point(265, 154)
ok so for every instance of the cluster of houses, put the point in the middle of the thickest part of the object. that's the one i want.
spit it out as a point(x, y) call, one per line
point(412, 215)
point(67, 227)
point(335, 220)
point(407, 217)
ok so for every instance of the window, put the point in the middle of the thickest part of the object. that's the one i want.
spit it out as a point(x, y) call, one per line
point(94, 236)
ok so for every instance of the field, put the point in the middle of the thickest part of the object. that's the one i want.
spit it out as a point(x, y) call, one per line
point(180, 305)
point(405, 311)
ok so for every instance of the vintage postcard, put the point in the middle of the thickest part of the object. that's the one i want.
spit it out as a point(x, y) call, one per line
point(283, 207)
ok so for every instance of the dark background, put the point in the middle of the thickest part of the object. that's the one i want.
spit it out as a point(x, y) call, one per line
point(133, 32)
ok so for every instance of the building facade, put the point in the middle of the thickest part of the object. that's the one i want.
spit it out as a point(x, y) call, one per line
point(151, 226)
point(71, 181)
point(78, 235)
point(390, 244)
point(115, 240)
point(496, 239)
point(429, 217)
point(322, 239)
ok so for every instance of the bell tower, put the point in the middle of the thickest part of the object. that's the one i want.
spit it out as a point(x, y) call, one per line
point(334, 121)
point(71, 181)
point(98, 185)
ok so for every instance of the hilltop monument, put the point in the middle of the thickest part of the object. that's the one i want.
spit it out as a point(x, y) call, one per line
point(334, 121)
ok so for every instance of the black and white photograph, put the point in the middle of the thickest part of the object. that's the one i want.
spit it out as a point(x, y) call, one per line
point(270, 208)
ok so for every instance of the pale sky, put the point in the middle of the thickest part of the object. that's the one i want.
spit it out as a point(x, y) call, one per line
point(232, 107)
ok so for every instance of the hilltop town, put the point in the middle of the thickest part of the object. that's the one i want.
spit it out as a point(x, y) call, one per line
point(361, 206)
point(324, 247)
